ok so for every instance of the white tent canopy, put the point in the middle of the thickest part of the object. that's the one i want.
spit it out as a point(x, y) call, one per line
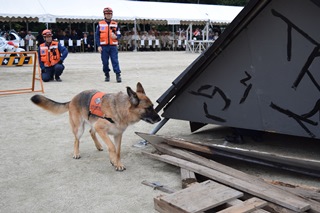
point(73, 11)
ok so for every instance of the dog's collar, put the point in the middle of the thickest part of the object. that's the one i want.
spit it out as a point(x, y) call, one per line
point(95, 106)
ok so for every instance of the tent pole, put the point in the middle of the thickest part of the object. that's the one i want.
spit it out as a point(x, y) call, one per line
point(191, 34)
point(173, 30)
point(135, 35)
point(208, 30)
point(94, 37)
point(27, 24)
point(187, 38)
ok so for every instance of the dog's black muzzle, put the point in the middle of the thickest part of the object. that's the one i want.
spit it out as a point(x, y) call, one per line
point(150, 116)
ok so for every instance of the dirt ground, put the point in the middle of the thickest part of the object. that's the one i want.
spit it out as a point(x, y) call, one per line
point(37, 172)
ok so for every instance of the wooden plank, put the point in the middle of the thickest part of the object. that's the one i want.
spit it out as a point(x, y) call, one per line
point(279, 209)
point(187, 178)
point(175, 142)
point(188, 173)
point(269, 193)
point(238, 202)
point(199, 197)
point(156, 140)
point(301, 190)
point(164, 207)
point(190, 146)
point(294, 163)
point(246, 207)
point(315, 206)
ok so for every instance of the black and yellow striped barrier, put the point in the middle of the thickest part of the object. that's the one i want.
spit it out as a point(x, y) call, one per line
point(19, 59)
point(15, 60)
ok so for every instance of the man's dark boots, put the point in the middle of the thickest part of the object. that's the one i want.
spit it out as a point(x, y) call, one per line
point(107, 79)
point(118, 77)
point(58, 79)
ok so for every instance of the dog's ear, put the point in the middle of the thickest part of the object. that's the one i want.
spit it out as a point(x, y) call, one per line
point(140, 88)
point(133, 98)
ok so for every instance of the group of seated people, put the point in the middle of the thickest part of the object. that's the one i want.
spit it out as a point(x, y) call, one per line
point(75, 41)
point(151, 40)
point(142, 41)
point(165, 40)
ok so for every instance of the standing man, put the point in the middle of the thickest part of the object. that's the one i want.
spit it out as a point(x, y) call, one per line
point(51, 57)
point(30, 41)
point(107, 36)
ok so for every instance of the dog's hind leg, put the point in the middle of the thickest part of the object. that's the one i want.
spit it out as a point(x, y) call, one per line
point(95, 139)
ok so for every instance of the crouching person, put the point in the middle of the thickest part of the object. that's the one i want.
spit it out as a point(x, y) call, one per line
point(51, 57)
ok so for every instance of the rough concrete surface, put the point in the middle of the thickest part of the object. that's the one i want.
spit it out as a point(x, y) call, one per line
point(37, 172)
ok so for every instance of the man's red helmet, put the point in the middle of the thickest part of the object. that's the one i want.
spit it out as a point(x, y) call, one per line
point(107, 10)
point(47, 32)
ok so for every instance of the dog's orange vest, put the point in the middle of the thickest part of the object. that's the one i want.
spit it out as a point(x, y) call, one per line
point(95, 106)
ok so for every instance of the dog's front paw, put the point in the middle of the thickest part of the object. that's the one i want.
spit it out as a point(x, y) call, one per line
point(118, 166)
point(76, 156)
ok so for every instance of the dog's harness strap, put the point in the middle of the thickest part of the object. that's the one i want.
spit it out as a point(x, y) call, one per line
point(95, 106)
point(108, 119)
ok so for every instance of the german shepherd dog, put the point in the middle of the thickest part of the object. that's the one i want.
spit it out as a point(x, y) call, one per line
point(110, 114)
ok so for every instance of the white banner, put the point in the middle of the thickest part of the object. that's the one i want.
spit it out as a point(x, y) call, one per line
point(47, 19)
point(173, 22)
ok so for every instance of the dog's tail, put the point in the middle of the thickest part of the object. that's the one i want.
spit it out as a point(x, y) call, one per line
point(50, 105)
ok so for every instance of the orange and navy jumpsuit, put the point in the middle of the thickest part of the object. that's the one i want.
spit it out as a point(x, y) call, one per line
point(108, 44)
point(51, 58)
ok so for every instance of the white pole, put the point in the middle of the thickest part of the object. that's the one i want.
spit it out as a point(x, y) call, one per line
point(135, 35)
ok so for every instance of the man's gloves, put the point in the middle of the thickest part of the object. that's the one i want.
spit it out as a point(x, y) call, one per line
point(60, 62)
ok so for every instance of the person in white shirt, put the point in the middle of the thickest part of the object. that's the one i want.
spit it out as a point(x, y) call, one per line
point(30, 41)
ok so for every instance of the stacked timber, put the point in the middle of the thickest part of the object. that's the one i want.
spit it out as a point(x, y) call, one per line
point(226, 189)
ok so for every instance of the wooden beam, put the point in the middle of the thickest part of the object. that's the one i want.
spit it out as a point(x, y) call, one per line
point(307, 166)
point(164, 207)
point(269, 193)
point(157, 140)
point(240, 202)
point(195, 198)
point(187, 178)
point(301, 190)
point(245, 207)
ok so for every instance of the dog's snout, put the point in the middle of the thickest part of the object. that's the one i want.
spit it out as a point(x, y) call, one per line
point(157, 118)
point(151, 117)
